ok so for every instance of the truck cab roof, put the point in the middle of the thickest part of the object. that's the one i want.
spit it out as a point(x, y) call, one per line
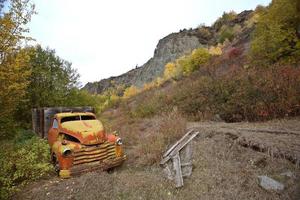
point(70, 114)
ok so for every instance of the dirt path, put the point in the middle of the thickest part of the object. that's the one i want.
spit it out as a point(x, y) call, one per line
point(227, 160)
point(279, 138)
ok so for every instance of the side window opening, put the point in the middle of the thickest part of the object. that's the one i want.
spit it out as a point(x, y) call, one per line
point(55, 123)
point(87, 117)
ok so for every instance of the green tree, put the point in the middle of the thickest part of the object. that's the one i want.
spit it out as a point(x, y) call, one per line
point(52, 82)
point(275, 37)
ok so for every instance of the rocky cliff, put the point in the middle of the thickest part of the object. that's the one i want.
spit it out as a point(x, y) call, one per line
point(168, 49)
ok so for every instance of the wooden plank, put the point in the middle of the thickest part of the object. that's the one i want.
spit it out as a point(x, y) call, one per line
point(168, 172)
point(164, 160)
point(179, 147)
point(178, 174)
point(171, 149)
point(186, 160)
point(41, 117)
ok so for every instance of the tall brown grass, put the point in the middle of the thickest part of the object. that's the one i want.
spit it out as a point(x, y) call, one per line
point(171, 126)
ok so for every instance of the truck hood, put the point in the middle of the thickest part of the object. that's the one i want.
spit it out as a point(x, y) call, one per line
point(88, 132)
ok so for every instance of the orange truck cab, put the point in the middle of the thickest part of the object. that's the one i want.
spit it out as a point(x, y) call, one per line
point(79, 143)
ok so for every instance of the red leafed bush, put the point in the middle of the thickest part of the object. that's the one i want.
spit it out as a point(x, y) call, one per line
point(261, 93)
point(234, 52)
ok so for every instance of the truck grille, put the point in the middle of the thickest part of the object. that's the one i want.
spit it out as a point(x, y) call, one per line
point(94, 153)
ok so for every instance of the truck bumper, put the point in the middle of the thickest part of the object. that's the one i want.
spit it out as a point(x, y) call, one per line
point(87, 167)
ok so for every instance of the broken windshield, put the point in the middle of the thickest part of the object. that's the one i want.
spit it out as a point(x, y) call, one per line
point(77, 118)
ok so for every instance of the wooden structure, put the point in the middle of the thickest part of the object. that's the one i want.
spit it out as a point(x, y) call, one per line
point(42, 117)
point(177, 160)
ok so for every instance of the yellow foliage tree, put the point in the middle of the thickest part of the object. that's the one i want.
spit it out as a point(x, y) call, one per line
point(198, 57)
point(130, 91)
point(215, 51)
point(173, 70)
point(148, 86)
point(13, 60)
point(14, 73)
point(170, 69)
point(159, 81)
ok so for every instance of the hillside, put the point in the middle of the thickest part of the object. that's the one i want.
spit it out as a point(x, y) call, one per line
point(167, 50)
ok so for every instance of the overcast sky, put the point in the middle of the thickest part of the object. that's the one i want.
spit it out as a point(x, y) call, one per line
point(108, 38)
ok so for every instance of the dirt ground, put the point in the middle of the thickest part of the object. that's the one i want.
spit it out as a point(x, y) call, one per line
point(227, 159)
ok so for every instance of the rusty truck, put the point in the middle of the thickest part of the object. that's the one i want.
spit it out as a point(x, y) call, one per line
point(77, 139)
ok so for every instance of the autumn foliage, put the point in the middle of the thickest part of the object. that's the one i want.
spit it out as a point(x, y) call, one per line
point(276, 37)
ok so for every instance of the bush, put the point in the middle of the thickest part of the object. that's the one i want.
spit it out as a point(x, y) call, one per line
point(226, 32)
point(172, 70)
point(130, 91)
point(262, 94)
point(148, 105)
point(234, 52)
point(204, 33)
point(251, 94)
point(192, 62)
point(215, 51)
point(246, 94)
point(24, 159)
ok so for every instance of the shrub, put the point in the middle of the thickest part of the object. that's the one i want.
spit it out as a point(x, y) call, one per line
point(204, 33)
point(261, 94)
point(215, 51)
point(24, 159)
point(226, 32)
point(234, 52)
point(185, 63)
point(192, 62)
point(250, 94)
point(130, 91)
point(148, 104)
point(171, 71)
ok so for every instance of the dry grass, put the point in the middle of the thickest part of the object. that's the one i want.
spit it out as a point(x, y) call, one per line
point(171, 127)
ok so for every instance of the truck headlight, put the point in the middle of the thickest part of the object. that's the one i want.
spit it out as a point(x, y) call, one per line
point(119, 141)
point(66, 152)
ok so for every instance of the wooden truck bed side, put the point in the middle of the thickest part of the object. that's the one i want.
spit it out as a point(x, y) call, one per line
point(42, 117)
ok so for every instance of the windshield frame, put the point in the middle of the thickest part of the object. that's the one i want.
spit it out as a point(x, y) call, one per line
point(73, 118)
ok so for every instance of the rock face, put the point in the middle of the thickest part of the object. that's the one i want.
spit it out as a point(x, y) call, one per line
point(167, 50)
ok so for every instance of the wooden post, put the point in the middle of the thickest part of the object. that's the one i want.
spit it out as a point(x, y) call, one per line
point(180, 154)
point(177, 168)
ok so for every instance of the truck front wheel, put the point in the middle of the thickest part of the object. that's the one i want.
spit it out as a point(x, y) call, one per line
point(55, 163)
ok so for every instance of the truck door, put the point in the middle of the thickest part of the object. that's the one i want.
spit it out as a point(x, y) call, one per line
point(53, 132)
